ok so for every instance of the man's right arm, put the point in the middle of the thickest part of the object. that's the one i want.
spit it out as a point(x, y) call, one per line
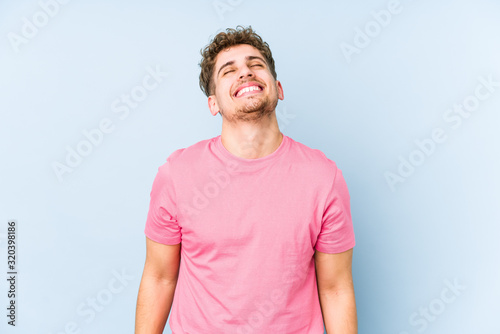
point(156, 291)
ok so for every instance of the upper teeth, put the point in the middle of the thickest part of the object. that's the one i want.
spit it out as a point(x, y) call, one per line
point(248, 89)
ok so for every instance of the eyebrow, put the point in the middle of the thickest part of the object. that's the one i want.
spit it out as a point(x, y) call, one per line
point(248, 58)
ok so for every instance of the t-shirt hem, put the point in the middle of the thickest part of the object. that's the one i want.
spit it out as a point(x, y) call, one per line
point(162, 240)
point(335, 250)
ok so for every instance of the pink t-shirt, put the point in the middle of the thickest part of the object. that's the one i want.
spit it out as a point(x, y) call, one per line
point(249, 229)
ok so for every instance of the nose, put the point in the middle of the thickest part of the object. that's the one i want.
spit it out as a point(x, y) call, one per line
point(246, 72)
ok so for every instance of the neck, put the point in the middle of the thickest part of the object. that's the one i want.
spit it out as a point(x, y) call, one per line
point(252, 140)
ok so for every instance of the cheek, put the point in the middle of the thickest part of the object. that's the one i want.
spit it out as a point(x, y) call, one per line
point(223, 93)
point(225, 90)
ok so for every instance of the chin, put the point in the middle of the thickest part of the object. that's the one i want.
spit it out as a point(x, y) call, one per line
point(262, 106)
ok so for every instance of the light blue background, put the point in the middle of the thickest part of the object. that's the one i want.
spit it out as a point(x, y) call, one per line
point(440, 224)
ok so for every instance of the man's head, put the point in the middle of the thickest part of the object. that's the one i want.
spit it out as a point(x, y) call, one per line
point(224, 40)
point(238, 76)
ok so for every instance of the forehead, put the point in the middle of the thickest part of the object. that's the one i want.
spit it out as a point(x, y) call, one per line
point(236, 53)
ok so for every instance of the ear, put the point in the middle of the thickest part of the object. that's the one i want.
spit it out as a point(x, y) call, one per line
point(212, 105)
point(281, 95)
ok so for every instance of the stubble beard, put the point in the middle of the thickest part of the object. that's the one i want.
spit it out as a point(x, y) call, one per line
point(254, 110)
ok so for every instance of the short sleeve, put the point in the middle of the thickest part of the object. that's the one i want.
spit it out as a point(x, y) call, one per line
point(161, 222)
point(337, 232)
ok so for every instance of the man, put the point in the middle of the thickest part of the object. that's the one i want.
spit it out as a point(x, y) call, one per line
point(249, 231)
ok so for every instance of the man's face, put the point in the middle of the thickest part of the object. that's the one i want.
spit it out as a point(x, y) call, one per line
point(245, 89)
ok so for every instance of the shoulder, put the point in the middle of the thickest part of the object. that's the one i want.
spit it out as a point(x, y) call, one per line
point(184, 157)
point(313, 157)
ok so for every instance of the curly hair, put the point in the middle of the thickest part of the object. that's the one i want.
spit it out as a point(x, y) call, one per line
point(224, 40)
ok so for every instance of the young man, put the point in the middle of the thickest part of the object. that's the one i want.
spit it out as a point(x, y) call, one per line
point(249, 231)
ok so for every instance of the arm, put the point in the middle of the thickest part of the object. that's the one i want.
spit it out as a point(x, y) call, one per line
point(156, 291)
point(336, 292)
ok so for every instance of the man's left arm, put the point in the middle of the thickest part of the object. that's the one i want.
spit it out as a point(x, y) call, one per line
point(336, 292)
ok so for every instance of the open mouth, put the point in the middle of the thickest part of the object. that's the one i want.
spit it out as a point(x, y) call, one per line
point(247, 89)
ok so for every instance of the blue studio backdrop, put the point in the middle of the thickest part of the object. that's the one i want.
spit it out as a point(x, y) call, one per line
point(403, 95)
